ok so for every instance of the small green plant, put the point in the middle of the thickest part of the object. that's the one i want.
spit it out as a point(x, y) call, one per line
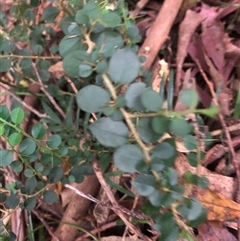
point(99, 54)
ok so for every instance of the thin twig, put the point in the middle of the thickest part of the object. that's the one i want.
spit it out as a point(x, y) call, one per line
point(105, 204)
point(128, 120)
point(46, 93)
point(30, 108)
point(112, 199)
point(38, 215)
point(235, 163)
point(96, 230)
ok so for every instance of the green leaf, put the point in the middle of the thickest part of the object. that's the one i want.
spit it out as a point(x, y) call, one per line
point(180, 127)
point(110, 19)
point(51, 113)
point(160, 124)
point(56, 174)
point(17, 166)
point(155, 198)
point(127, 157)
point(27, 147)
point(12, 201)
point(101, 67)
point(124, 66)
point(14, 139)
point(4, 113)
point(1, 129)
point(49, 14)
point(211, 112)
point(30, 203)
point(84, 70)
point(17, 115)
point(25, 63)
point(151, 100)
point(54, 141)
point(92, 98)
point(190, 142)
point(38, 167)
point(109, 133)
point(31, 185)
point(164, 151)
point(50, 196)
point(108, 41)
point(68, 44)
point(6, 158)
point(28, 172)
point(191, 210)
point(189, 97)
point(5, 65)
point(38, 131)
point(192, 159)
point(145, 131)
point(133, 95)
point(81, 17)
point(144, 184)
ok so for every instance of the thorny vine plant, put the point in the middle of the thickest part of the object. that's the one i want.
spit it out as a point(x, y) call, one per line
point(99, 54)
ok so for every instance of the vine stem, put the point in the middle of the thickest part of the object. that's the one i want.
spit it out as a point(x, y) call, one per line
point(128, 120)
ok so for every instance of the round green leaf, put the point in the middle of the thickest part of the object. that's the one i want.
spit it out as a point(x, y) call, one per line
point(109, 133)
point(81, 17)
point(55, 174)
point(69, 44)
point(189, 97)
point(30, 203)
point(50, 196)
point(17, 166)
point(92, 98)
point(31, 183)
point(49, 14)
point(6, 158)
point(151, 100)
point(84, 70)
point(193, 210)
point(192, 159)
point(190, 142)
point(144, 184)
point(127, 157)
point(5, 65)
point(146, 132)
point(101, 67)
point(25, 63)
point(38, 131)
point(180, 127)
point(28, 173)
point(14, 139)
point(17, 115)
point(54, 141)
point(164, 151)
point(124, 66)
point(160, 124)
point(38, 167)
point(4, 113)
point(110, 19)
point(133, 95)
point(108, 41)
point(27, 147)
point(12, 201)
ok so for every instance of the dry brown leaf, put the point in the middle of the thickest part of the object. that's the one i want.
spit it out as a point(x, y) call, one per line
point(215, 231)
point(219, 207)
point(186, 30)
point(57, 70)
point(217, 183)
